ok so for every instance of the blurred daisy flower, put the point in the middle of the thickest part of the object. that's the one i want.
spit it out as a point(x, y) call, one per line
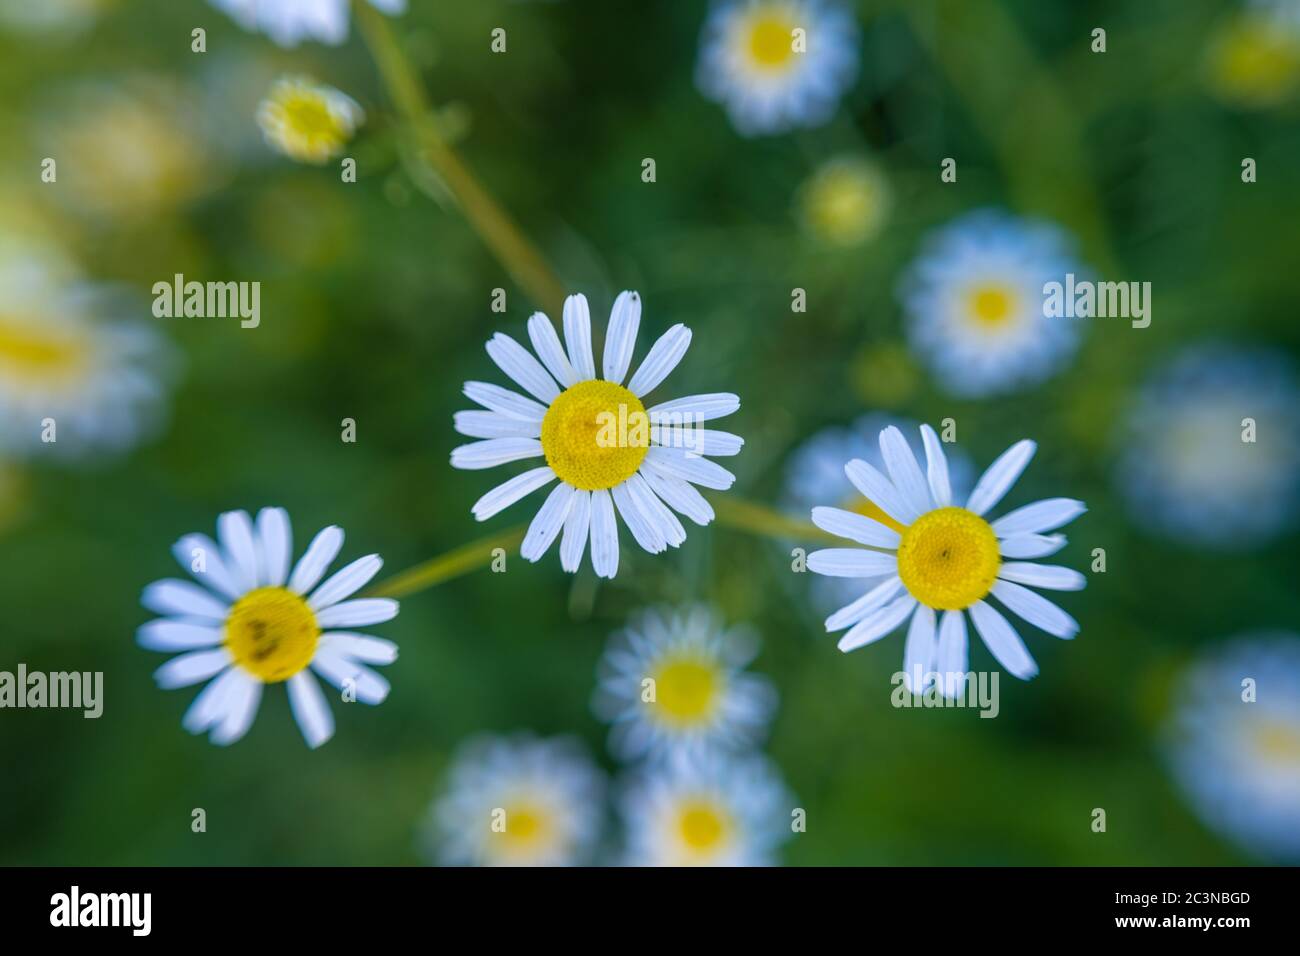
point(134, 150)
point(74, 380)
point(1234, 742)
point(974, 304)
point(1194, 468)
point(777, 64)
point(724, 811)
point(845, 202)
point(814, 476)
point(288, 22)
point(1254, 55)
point(518, 801)
point(254, 622)
point(607, 450)
point(673, 685)
point(946, 558)
point(308, 121)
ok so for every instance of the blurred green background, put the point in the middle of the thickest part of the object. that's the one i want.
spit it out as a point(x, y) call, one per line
point(375, 306)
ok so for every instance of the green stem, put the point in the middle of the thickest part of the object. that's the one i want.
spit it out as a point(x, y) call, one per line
point(453, 564)
point(499, 232)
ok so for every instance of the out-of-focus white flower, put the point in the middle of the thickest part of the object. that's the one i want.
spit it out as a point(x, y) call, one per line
point(288, 22)
point(308, 121)
point(845, 202)
point(1253, 59)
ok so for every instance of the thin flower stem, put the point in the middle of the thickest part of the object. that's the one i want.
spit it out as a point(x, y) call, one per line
point(743, 515)
point(445, 567)
point(484, 214)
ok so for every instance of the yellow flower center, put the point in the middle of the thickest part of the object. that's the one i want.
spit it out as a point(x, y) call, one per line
point(948, 558)
point(30, 352)
point(771, 41)
point(687, 690)
point(702, 826)
point(1277, 741)
point(595, 435)
point(526, 826)
point(301, 121)
point(1255, 61)
point(843, 204)
point(992, 305)
point(869, 509)
point(272, 634)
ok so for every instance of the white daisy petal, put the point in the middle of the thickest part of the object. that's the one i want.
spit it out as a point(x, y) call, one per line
point(577, 335)
point(345, 582)
point(275, 536)
point(688, 467)
point(604, 535)
point(850, 614)
point(1050, 576)
point(921, 650)
point(361, 612)
point(1038, 517)
point(877, 624)
point(494, 451)
point(504, 402)
point(210, 706)
point(697, 441)
point(242, 700)
point(548, 521)
point(1000, 476)
point(547, 346)
point(360, 647)
point(322, 551)
point(200, 549)
point(698, 407)
point(855, 527)
point(678, 494)
point(852, 563)
point(620, 337)
point(936, 468)
point(480, 424)
point(1002, 641)
point(903, 470)
point(507, 493)
point(1036, 609)
point(235, 532)
point(186, 669)
point(313, 714)
point(661, 360)
point(880, 491)
point(177, 598)
point(643, 529)
point(167, 635)
point(516, 361)
point(953, 654)
point(576, 528)
point(1031, 545)
point(656, 512)
point(344, 673)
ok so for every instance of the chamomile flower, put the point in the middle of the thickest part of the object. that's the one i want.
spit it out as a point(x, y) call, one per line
point(288, 22)
point(250, 621)
point(1253, 59)
point(775, 65)
point(724, 811)
point(607, 449)
point(1211, 447)
point(75, 380)
point(845, 202)
point(1234, 742)
point(933, 563)
point(974, 304)
point(518, 801)
point(308, 121)
point(673, 685)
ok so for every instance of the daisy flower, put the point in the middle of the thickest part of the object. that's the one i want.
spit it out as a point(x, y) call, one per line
point(945, 560)
point(288, 22)
point(607, 450)
point(70, 371)
point(845, 202)
point(673, 685)
point(725, 811)
point(518, 801)
point(1185, 469)
point(1253, 60)
point(255, 622)
point(775, 65)
point(1238, 759)
point(308, 121)
point(974, 304)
